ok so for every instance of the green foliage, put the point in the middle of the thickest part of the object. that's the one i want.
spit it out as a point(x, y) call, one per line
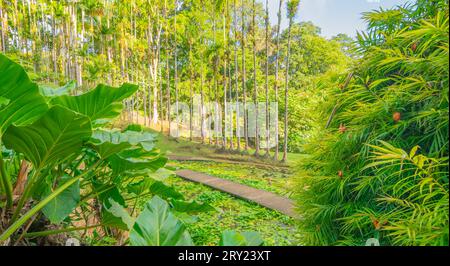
point(50, 91)
point(100, 104)
point(118, 211)
point(102, 137)
point(73, 166)
point(313, 58)
point(3, 101)
point(56, 136)
point(157, 226)
point(416, 190)
point(191, 207)
point(25, 102)
point(232, 238)
point(62, 150)
point(292, 8)
point(380, 169)
point(154, 187)
point(60, 207)
point(132, 161)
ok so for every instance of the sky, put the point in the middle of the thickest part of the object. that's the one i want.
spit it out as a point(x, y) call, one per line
point(333, 16)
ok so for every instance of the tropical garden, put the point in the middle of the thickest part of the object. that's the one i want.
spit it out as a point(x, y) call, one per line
point(114, 113)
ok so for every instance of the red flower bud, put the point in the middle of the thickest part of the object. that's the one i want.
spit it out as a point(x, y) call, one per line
point(342, 128)
point(397, 116)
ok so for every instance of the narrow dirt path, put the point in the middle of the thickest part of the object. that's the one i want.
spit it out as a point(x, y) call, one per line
point(262, 197)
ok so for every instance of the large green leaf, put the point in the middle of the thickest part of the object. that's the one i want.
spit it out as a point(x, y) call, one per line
point(154, 187)
point(51, 139)
point(62, 205)
point(161, 174)
point(120, 212)
point(50, 91)
point(111, 141)
point(137, 160)
point(101, 104)
point(111, 199)
point(25, 104)
point(158, 226)
point(232, 238)
point(191, 207)
point(134, 127)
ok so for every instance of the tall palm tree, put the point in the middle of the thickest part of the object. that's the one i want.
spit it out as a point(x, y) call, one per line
point(255, 84)
point(292, 9)
point(277, 64)
point(225, 64)
point(202, 93)
point(154, 29)
point(3, 29)
point(175, 55)
point(244, 74)
point(190, 40)
point(230, 79)
point(167, 68)
point(216, 87)
point(267, 81)
point(236, 76)
point(202, 48)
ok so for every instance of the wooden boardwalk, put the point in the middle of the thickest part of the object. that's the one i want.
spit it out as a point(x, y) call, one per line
point(262, 197)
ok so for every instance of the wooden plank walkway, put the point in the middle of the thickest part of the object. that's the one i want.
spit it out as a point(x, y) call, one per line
point(262, 197)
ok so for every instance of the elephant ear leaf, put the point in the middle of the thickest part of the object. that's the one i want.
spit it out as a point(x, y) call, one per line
point(55, 136)
point(253, 238)
point(25, 104)
point(232, 238)
point(154, 187)
point(191, 207)
point(108, 142)
point(158, 226)
point(61, 206)
point(135, 161)
point(120, 212)
point(50, 92)
point(112, 200)
point(101, 104)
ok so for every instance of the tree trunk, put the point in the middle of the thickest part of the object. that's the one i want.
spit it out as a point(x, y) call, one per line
point(202, 103)
point(244, 85)
point(168, 80)
point(225, 82)
point(191, 99)
point(267, 83)
point(230, 85)
point(3, 30)
point(175, 53)
point(276, 79)
point(236, 78)
point(230, 80)
point(255, 85)
point(216, 89)
point(286, 131)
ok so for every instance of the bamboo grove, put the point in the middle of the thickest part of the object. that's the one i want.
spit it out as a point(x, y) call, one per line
point(222, 50)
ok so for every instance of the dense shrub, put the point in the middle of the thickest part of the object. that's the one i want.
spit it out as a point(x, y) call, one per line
point(379, 169)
